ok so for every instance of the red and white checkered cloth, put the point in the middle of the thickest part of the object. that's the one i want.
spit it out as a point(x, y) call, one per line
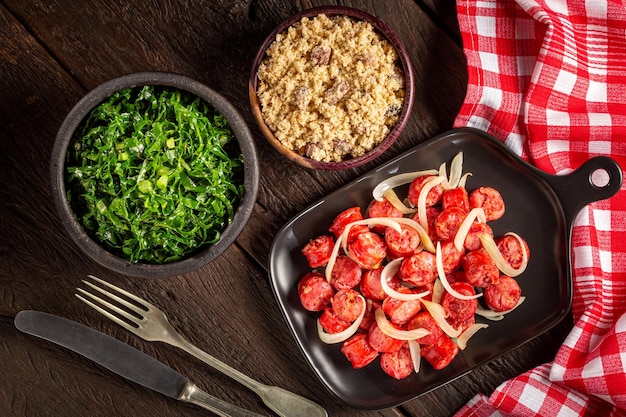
point(548, 78)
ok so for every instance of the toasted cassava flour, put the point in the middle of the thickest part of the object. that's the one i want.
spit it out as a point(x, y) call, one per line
point(330, 88)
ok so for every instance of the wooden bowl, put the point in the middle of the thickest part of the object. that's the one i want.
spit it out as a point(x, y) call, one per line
point(409, 87)
point(203, 255)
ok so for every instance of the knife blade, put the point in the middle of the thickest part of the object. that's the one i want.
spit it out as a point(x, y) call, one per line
point(123, 360)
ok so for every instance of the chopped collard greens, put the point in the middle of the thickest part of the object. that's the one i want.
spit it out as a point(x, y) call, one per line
point(154, 174)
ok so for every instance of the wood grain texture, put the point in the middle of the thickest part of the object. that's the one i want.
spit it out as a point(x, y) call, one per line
point(51, 53)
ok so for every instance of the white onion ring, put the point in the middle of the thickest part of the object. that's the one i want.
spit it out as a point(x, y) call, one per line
point(475, 214)
point(461, 341)
point(421, 200)
point(444, 279)
point(388, 272)
point(456, 169)
point(416, 357)
point(438, 313)
point(398, 180)
point(444, 174)
point(394, 200)
point(333, 257)
point(438, 291)
point(463, 179)
point(391, 331)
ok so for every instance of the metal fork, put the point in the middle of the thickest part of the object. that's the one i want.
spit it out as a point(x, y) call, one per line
point(151, 324)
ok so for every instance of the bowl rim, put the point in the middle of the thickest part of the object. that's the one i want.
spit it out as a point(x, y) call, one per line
point(57, 173)
point(407, 67)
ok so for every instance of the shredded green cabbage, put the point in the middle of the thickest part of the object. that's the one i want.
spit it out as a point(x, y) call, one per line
point(154, 174)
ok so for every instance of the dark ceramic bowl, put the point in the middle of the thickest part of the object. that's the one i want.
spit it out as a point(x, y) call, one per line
point(203, 255)
point(405, 61)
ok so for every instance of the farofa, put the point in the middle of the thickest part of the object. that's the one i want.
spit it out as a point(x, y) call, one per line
point(330, 88)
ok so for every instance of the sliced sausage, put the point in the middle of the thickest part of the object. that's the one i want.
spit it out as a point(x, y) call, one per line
point(401, 244)
point(370, 285)
point(448, 222)
point(401, 312)
point(358, 351)
point(451, 256)
point(423, 320)
point(511, 250)
point(472, 240)
point(318, 250)
point(381, 341)
point(456, 197)
point(459, 311)
point(346, 273)
point(480, 268)
point(441, 353)
point(434, 195)
point(368, 250)
point(419, 269)
point(315, 292)
point(504, 295)
point(382, 209)
point(490, 200)
point(331, 323)
point(347, 305)
point(398, 365)
point(344, 218)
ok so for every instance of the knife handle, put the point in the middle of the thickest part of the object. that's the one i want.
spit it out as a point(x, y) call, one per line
point(192, 394)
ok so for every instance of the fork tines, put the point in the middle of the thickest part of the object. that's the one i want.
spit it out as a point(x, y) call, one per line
point(123, 312)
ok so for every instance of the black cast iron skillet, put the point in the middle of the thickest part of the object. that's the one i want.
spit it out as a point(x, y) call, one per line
point(540, 207)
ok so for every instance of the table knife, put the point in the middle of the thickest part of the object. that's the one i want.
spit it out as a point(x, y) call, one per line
point(123, 360)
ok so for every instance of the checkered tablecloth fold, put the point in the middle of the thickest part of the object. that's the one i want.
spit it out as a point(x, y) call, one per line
point(548, 78)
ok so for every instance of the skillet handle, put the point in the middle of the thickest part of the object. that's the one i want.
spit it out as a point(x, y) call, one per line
point(597, 179)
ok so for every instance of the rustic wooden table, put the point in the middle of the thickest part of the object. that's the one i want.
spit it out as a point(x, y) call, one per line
point(51, 53)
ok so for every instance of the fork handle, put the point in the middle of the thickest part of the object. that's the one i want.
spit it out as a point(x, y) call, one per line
point(240, 377)
point(194, 395)
point(282, 402)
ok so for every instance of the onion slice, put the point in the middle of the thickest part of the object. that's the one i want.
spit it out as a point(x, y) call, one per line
point(443, 173)
point(394, 200)
point(333, 257)
point(438, 291)
point(461, 341)
point(416, 357)
point(388, 272)
point(463, 179)
point(392, 331)
point(475, 214)
point(421, 200)
point(492, 249)
point(438, 313)
point(497, 315)
point(444, 279)
point(456, 170)
point(339, 337)
point(398, 180)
